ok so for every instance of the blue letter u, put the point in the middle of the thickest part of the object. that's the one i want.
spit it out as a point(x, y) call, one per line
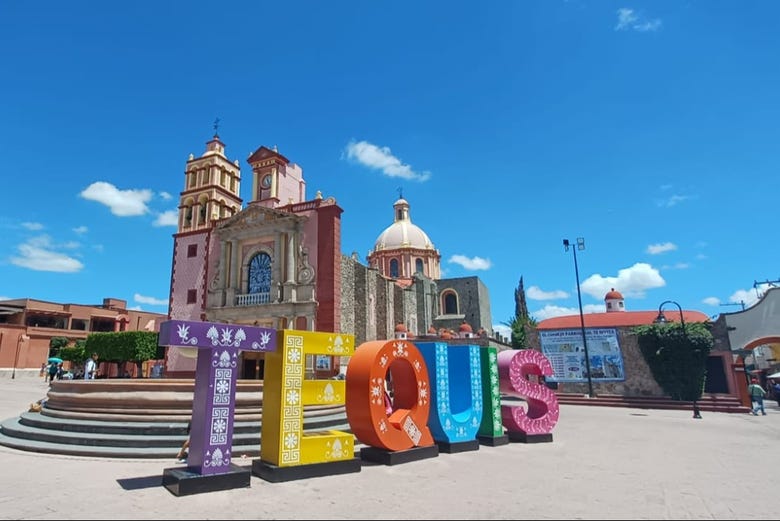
point(456, 380)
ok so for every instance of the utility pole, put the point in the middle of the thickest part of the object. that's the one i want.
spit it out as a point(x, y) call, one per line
point(770, 283)
point(740, 303)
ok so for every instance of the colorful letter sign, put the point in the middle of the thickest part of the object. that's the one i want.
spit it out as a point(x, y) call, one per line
point(286, 391)
point(514, 366)
point(406, 426)
point(455, 373)
point(211, 433)
point(491, 430)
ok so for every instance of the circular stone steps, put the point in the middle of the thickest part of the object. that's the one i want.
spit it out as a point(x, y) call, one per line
point(128, 418)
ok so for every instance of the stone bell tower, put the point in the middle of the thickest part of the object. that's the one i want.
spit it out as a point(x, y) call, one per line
point(211, 193)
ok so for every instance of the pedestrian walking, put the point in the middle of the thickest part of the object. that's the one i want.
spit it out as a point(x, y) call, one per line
point(757, 394)
point(90, 367)
point(52, 372)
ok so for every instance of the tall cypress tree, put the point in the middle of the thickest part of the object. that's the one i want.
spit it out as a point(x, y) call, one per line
point(522, 321)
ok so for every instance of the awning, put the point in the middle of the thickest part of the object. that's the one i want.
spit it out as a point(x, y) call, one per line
point(774, 375)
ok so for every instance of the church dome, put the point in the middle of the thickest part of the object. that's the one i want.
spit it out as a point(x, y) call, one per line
point(613, 295)
point(403, 233)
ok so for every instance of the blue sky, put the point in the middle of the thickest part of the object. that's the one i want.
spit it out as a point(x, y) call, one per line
point(648, 128)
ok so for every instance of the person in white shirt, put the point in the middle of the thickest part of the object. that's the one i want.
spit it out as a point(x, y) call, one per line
point(90, 367)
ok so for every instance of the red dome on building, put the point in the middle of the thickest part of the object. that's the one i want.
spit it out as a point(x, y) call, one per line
point(613, 295)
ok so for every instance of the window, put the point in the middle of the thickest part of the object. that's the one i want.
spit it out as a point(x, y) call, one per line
point(609, 305)
point(192, 250)
point(50, 321)
point(192, 296)
point(102, 325)
point(418, 266)
point(188, 216)
point(78, 324)
point(202, 212)
point(450, 303)
point(394, 268)
point(260, 274)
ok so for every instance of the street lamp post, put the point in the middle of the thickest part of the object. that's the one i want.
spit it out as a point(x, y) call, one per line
point(661, 319)
point(581, 246)
point(22, 338)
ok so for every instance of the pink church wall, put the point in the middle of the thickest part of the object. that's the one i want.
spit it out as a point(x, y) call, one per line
point(188, 273)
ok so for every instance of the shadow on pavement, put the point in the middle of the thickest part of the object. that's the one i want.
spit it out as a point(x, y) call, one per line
point(139, 483)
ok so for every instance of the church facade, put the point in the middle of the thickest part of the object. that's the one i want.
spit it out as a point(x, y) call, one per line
point(277, 262)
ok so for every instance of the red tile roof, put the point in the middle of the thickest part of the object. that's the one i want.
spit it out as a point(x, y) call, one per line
point(619, 319)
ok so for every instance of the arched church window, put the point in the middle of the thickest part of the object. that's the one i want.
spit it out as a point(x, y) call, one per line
point(203, 212)
point(450, 303)
point(260, 274)
point(188, 216)
point(418, 266)
point(394, 268)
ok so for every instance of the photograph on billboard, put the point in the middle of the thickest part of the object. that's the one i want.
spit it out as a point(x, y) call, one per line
point(564, 349)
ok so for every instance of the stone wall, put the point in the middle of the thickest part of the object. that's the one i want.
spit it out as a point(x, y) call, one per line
point(639, 380)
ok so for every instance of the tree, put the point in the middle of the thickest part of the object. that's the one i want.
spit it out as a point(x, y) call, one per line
point(124, 346)
point(677, 357)
point(522, 322)
point(56, 344)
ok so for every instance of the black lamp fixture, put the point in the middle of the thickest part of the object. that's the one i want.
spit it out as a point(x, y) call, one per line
point(580, 245)
point(661, 319)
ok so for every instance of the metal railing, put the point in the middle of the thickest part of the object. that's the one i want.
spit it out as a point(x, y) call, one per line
point(253, 299)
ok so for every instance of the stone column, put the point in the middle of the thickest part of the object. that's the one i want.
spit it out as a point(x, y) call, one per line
point(232, 284)
point(291, 256)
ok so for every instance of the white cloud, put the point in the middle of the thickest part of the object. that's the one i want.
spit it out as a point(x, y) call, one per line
point(701, 256)
point(32, 226)
point(166, 196)
point(628, 19)
point(674, 200)
point(123, 203)
point(81, 230)
point(135, 308)
point(70, 245)
point(711, 301)
point(536, 293)
point(655, 249)
point(150, 300)
point(749, 296)
point(676, 266)
point(167, 218)
point(40, 254)
point(550, 311)
point(631, 282)
point(381, 158)
point(473, 263)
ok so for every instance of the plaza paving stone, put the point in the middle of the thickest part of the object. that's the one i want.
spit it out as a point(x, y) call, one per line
point(604, 463)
